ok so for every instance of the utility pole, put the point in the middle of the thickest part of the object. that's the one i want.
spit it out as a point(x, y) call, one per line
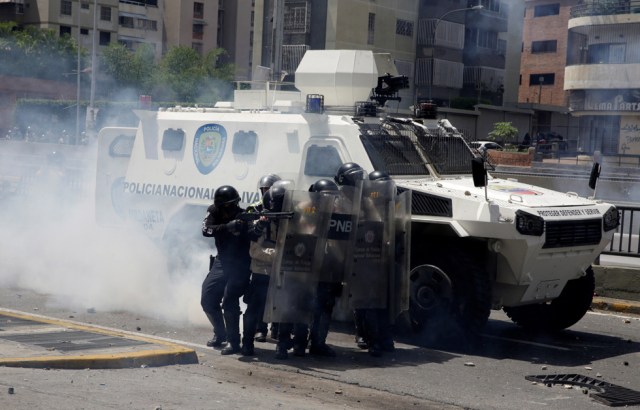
point(91, 114)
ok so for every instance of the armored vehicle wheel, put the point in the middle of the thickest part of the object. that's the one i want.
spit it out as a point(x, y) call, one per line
point(449, 292)
point(562, 312)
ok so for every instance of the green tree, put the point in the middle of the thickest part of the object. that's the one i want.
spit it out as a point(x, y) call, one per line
point(503, 131)
point(125, 69)
point(186, 76)
point(35, 52)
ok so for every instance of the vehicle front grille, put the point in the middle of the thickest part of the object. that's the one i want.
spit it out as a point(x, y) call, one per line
point(427, 204)
point(564, 234)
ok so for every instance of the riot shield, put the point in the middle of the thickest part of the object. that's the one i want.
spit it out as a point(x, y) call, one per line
point(368, 284)
point(401, 246)
point(341, 240)
point(300, 245)
point(341, 237)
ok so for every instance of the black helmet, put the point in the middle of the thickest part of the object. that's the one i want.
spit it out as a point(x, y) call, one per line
point(273, 199)
point(349, 173)
point(379, 176)
point(324, 185)
point(267, 180)
point(225, 195)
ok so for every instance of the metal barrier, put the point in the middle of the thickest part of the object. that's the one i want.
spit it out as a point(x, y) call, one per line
point(625, 241)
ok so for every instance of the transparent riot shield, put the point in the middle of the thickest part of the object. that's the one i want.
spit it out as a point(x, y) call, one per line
point(300, 245)
point(368, 284)
point(401, 246)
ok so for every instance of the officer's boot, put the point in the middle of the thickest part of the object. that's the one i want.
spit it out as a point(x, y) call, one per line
point(372, 326)
point(319, 334)
point(232, 320)
point(359, 320)
point(300, 339)
point(219, 329)
point(248, 329)
point(284, 340)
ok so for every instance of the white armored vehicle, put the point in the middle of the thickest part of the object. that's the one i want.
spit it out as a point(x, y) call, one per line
point(474, 246)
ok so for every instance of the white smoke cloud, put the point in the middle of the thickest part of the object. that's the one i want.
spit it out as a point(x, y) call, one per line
point(51, 244)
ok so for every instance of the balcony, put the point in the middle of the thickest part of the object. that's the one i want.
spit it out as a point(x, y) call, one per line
point(601, 76)
point(605, 8)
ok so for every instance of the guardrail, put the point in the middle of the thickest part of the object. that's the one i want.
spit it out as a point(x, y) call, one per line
point(625, 241)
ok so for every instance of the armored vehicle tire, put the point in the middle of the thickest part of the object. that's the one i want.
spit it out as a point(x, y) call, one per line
point(562, 312)
point(453, 290)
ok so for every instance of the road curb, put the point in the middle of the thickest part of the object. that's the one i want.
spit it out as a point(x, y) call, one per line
point(615, 305)
point(162, 353)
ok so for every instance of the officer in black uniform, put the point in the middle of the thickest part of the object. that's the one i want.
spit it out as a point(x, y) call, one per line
point(348, 175)
point(265, 182)
point(229, 275)
point(262, 250)
point(384, 334)
point(329, 286)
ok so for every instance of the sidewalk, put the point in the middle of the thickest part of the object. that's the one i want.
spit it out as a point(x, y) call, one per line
point(39, 342)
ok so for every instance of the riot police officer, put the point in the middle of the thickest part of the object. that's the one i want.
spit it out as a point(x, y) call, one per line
point(262, 251)
point(330, 283)
point(349, 174)
point(264, 183)
point(229, 274)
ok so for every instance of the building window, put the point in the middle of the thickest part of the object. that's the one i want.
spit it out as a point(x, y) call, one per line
point(482, 38)
point(150, 25)
point(105, 13)
point(404, 28)
point(198, 10)
point(547, 46)
point(295, 18)
point(371, 28)
point(105, 38)
point(65, 7)
point(125, 21)
point(65, 30)
point(198, 31)
point(197, 47)
point(84, 6)
point(606, 53)
point(84, 31)
point(546, 10)
point(493, 5)
point(542, 79)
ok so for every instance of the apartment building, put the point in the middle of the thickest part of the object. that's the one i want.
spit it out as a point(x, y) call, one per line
point(602, 76)
point(208, 24)
point(383, 26)
point(461, 50)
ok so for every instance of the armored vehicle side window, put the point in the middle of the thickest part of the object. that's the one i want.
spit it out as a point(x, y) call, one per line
point(322, 161)
point(121, 146)
point(244, 143)
point(173, 140)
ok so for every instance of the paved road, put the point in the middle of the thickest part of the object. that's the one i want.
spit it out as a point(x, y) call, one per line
point(489, 375)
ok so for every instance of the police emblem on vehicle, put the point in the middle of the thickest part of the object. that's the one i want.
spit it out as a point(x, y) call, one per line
point(208, 147)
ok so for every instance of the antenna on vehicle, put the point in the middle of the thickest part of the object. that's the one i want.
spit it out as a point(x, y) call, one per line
point(593, 178)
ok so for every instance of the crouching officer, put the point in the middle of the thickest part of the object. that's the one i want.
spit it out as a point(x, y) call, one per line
point(229, 274)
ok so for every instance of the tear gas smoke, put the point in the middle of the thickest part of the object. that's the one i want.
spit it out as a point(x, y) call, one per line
point(51, 244)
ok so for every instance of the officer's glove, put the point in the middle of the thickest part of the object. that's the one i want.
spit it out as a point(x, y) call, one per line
point(235, 227)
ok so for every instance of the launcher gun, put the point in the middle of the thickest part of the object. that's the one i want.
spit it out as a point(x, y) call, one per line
point(254, 216)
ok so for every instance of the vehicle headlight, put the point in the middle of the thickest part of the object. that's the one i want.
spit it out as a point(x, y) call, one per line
point(611, 219)
point(528, 224)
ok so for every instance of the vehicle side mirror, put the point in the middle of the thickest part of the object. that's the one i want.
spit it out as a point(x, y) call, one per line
point(595, 174)
point(479, 172)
